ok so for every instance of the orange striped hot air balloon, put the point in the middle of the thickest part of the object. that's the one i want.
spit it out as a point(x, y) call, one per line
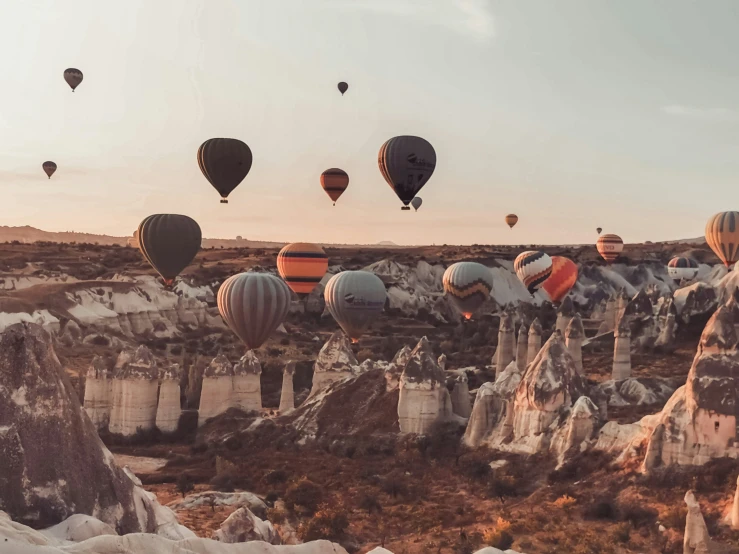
point(562, 279)
point(302, 265)
point(722, 235)
point(511, 220)
point(334, 181)
point(609, 247)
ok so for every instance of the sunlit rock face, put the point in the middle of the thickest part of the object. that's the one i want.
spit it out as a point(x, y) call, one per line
point(506, 350)
point(397, 364)
point(135, 390)
point(217, 390)
point(98, 389)
point(461, 397)
point(534, 341)
point(335, 361)
point(287, 394)
point(247, 388)
point(622, 352)
point(168, 408)
point(574, 335)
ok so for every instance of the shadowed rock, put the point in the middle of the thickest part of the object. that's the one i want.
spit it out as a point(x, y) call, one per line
point(565, 313)
point(98, 391)
point(168, 408)
point(397, 364)
point(622, 352)
point(335, 361)
point(506, 342)
point(534, 343)
point(575, 334)
point(522, 346)
point(135, 391)
point(287, 396)
point(247, 388)
point(217, 388)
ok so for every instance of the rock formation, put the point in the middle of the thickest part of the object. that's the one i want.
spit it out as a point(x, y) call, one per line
point(734, 514)
point(609, 318)
point(622, 352)
point(335, 361)
point(621, 302)
point(565, 313)
point(243, 526)
point(441, 360)
point(135, 390)
point(217, 390)
point(506, 342)
point(247, 387)
point(287, 396)
point(424, 398)
point(522, 346)
point(461, 397)
point(534, 341)
point(696, 539)
point(574, 435)
point(667, 326)
point(575, 334)
point(98, 389)
point(168, 408)
point(53, 462)
point(695, 300)
point(393, 371)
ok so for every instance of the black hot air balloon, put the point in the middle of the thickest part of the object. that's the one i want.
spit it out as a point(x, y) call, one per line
point(73, 77)
point(169, 242)
point(224, 162)
point(49, 168)
point(343, 87)
point(407, 164)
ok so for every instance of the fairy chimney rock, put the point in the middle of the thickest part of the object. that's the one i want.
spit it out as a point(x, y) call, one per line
point(461, 397)
point(395, 368)
point(335, 361)
point(287, 396)
point(622, 352)
point(565, 313)
point(217, 390)
point(247, 388)
point(168, 408)
point(135, 393)
point(522, 346)
point(534, 344)
point(98, 389)
point(506, 342)
point(575, 334)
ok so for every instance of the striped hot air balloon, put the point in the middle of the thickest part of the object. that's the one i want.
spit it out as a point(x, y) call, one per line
point(681, 267)
point(169, 242)
point(302, 265)
point(609, 247)
point(224, 162)
point(355, 299)
point(562, 279)
point(468, 286)
point(722, 235)
point(334, 181)
point(49, 168)
point(533, 268)
point(253, 305)
point(511, 220)
point(73, 77)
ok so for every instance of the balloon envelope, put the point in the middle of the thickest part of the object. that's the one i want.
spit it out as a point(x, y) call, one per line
point(49, 168)
point(169, 242)
point(416, 202)
point(73, 77)
point(722, 235)
point(599, 230)
point(407, 163)
point(343, 87)
point(681, 267)
point(253, 305)
point(562, 279)
point(224, 162)
point(511, 220)
point(355, 299)
point(334, 181)
point(609, 247)
point(468, 286)
point(302, 265)
point(533, 268)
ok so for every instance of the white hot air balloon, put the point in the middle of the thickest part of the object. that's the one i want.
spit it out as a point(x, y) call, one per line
point(533, 268)
point(355, 299)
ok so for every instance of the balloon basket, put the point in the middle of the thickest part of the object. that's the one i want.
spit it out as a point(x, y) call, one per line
point(224, 201)
point(405, 208)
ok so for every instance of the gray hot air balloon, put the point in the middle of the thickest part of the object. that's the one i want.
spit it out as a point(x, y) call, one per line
point(468, 286)
point(406, 163)
point(169, 242)
point(416, 202)
point(253, 305)
point(73, 77)
point(355, 299)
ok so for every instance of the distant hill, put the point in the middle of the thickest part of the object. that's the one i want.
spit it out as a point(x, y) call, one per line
point(386, 243)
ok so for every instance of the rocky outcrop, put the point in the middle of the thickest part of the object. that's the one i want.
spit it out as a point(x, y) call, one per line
point(575, 435)
point(335, 361)
point(534, 341)
point(667, 326)
point(424, 399)
point(98, 390)
point(622, 352)
point(287, 395)
point(637, 391)
point(217, 389)
point(461, 397)
point(506, 342)
point(734, 513)
point(393, 371)
point(695, 300)
point(243, 526)
point(441, 360)
point(609, 317)
point(135, 391)
point(696, 540)
point(574, 335)
point(53, 462)
point(522, 347)
point(247, 387)
point(565, 313)
point(168, 408)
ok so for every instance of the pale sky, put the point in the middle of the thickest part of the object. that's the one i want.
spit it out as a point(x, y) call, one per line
point(573, 114)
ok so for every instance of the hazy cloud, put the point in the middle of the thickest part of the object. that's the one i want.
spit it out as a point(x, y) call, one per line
point(702, 114)
point(471, 18)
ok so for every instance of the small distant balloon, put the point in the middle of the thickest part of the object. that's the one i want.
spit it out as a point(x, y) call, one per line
point(416, 202)
point(224, 162)
point(722, 235)
point(609, 247)
point(511, 220)
point(49, 168)
point(343, 87)
point(533, 268)
point(302, 265)
point(334, 181)
point(406, 163)
point(681, 267)
point(73, 77)
point(599, 230)
point(468, 286)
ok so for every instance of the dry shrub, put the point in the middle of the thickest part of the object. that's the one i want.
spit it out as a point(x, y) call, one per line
point(622, 532)
point(329, 523)
point(564, 502)
point(602, 508)
point(304, 493)
point(499, 536)
point(276, 515)
point(674, 518)
point(637, 515)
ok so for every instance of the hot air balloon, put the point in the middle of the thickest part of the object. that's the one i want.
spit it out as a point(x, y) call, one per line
point(511, 220)
point(224, 162)
point(73, 77)
point(343, 87)
point(722, 235)
point(599, 230)
point(609, 247)
point(407, 164)
point(334, 181)
point(302, 265)
point(533, 268)
point(253, 305)
point(562, 279)
point(416, 202)
point(355, 299)
point(49, 168)
point(680, 268)
point(169, 242)
point(468, 285)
